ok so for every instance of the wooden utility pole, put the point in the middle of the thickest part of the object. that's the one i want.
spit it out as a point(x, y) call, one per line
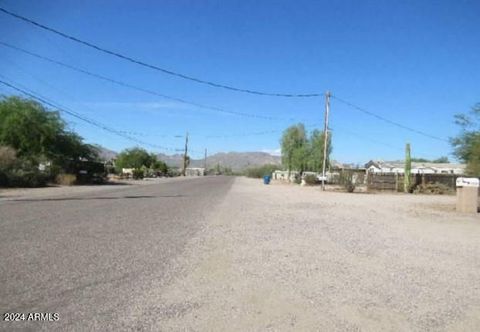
point(184, 172)
point(325, 137)
point(205, 163)
point(408, 169)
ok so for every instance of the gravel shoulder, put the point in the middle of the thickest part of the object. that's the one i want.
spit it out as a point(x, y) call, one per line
point(284, 257)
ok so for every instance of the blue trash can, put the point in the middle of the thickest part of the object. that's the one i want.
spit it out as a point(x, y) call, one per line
point(266, 179)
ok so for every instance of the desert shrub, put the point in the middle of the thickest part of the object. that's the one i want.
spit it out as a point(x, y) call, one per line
point(54, 171)
point(8, 157)
point(346, 179)
point(19, 172)
point(66, 179)
point(26, 178)
point(3, 178)
point(172, 172)
point(137, 174)
point(433, 189)
point(311, 179)
point(260, 171)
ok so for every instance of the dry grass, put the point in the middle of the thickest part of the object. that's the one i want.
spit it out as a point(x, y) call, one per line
point(66, 179)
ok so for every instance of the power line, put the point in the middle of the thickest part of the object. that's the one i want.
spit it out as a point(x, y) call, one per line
point(143, 134)
point(366, 138)
point(137, 88)
point(125, 132)
point(42, 81)
point(82, 117)
point(379, 117)
point(154, 67)
point(258, 133)
point(336, 129)
point(169, 72)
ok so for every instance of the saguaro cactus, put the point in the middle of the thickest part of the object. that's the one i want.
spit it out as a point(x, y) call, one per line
point(408, 168)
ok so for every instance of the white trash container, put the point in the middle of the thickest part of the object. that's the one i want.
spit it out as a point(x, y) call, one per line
point(467, 195)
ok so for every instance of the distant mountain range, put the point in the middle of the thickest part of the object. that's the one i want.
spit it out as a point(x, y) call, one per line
point(237, 161)
point(104, 153)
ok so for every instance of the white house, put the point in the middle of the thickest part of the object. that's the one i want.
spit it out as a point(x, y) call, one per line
point(195, 171)
point(398, 167)
point(128, 171)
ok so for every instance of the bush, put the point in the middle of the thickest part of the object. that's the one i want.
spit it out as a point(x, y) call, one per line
point(433, 189)
point(261, 171)
point(3, 179)
point(311, 179)
point(27, 179)
point(66, 179)
point(8, 157)
point(172, 172)
point(18, 172)
point(137, 174)
point(346, 179)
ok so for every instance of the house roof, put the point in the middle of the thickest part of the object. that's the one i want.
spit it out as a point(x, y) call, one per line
point(401, 164)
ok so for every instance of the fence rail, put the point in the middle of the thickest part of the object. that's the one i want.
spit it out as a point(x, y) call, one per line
point(395, 182)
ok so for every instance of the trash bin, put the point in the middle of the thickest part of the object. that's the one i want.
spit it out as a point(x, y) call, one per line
point(467, 195)
point(266, 179)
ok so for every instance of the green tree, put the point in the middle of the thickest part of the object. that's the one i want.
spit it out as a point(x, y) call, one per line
point(316, 148)
point(294, 148)
point(134, 158)
point(160, 166)
point(37, 133)
point(443, 159)
point(467, 144)
point(261, 171)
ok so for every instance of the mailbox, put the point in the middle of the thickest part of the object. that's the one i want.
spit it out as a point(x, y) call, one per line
point(467, 194)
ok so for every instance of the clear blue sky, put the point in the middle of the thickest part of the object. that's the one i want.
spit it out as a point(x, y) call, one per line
point(415, 62)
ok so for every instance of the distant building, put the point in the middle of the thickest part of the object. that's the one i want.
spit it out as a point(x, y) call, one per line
point(194, 171)
point(398, 167)
point(127, 171)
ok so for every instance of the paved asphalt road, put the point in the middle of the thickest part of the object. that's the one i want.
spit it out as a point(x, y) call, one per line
point(88, 257)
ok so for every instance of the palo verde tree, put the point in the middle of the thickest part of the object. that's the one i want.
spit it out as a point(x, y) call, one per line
point(316, 144)
point(139, 158)
point(467, 144)
point(301, 153)
point(37, 133)
point(134, 158)
point(294, 148)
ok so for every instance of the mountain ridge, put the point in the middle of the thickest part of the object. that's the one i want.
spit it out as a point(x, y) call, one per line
point(237, 161)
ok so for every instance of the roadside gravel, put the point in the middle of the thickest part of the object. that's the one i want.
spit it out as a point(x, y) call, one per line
point(283, 257)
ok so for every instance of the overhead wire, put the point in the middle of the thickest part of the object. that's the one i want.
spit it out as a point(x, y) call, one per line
point(125, 132)
point(137, 88)
point(79, 116)
point(144, 90)
point(173, 73)
point(151, 66)
point(384, 119)
point(379, 117)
